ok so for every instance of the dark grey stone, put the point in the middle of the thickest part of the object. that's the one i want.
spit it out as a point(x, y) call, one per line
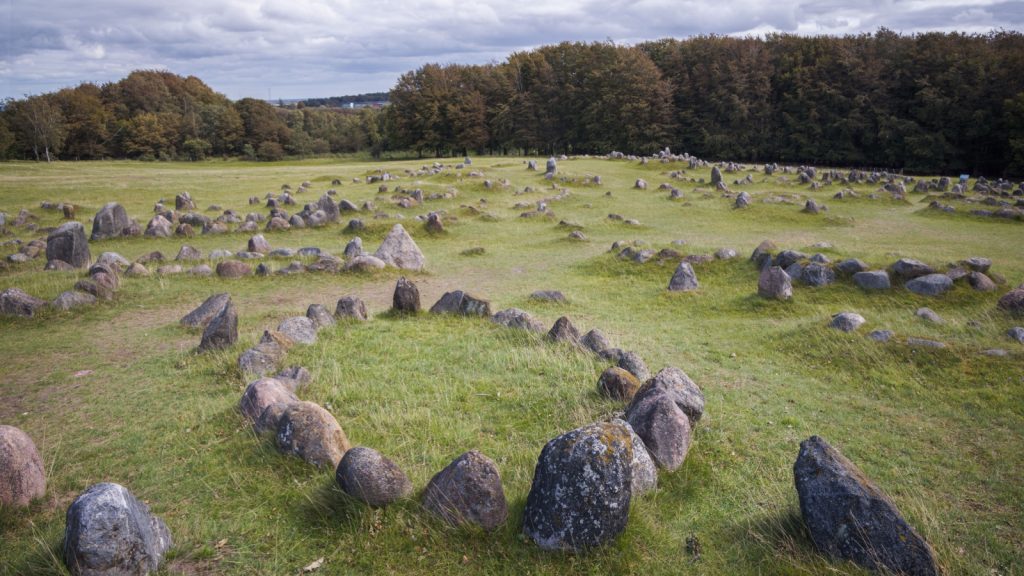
point(595, 341)
point(908, 268)
point(68, 243)
point(636, 366)
point(372, 478)
point(684, 279)
point(459, 302)
point(320, 316)
point(564, 331)
point(110, 222)
point(468, 491)
point(516, 318)
point(817, 275)
point(881, 335)
point(930, 284)
point(15, 302)
point(846, 321)
point(351, 307)
point(407, 297)
point(210, 307)
point(872, 280)
point(548, 296)
point(222, 330)
point(850, 518)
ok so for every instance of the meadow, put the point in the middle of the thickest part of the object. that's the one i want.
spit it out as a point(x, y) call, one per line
point(116, 392)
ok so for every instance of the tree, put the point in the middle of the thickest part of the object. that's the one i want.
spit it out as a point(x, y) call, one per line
point(41, 125)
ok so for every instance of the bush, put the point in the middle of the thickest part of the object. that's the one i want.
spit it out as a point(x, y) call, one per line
point(270, 151)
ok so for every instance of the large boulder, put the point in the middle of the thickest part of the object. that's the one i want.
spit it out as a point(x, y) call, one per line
point(684, 279)
point(581, 490)
point(468, 491)
point(663, 426)
point(68, 243)
point(399, 250)
point(850, 518)
point(15, 302)
point(201, 316)
point(407, 297)
point(368, 476)
point(262, 393)
point(459, 302)
point(679, 387)
point(22, 476)
point(222, 331)
point(111, 533)
point(930, 284)
point(308, 431)
point(516, 318)
point(110, 222)
point(774, 283)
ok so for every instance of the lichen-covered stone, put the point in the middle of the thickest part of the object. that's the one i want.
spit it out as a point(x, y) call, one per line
point(370, 477)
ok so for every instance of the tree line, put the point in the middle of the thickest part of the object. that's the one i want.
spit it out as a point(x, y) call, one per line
point(157, 115)
point(927, 103)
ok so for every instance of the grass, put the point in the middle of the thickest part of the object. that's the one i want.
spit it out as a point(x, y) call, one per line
point(116, 393)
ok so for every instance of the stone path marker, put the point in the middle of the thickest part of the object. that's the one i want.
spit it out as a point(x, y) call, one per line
point(850, 518)
point(468, 491)
point(371, 478)
point(22, 476)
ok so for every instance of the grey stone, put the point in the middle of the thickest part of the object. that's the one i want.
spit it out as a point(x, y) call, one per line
point(259, 244)
point(111, 533)
point(679, 388)
point(582, 487)
point(468, 491)
point(774, 283)
point(158, 227)
point(636, 366)
point(1012, 302)
point(930, 284)
point(351, 307)
point(233, 269)
point(365, 263)
point(308, 431)
point(645, 471)
point(188, 253)
point(815, 274)
point(929, 315)
point(564, 331)
point(548, 296)
point(406, 298)
point(924, 343)
point(872, 280)
point(980, 282)
point(298, 329)
point(354, 248)
point(595, 340)
point(110, 222)
point(261, 359)
point(851, 266)
point(1016, 333)
point(320, 316)
point(114, 260)
point(846, 321)
point(371, 478)
point(73, 299)
point(881, 335)
point(617, 383)
point(15, 302)
point(850, 518)
point(399, 250)
point(977, 264)
point(516, 318)
point(262, 393)
point(908, 268)
point(459, 302)
point(22, 475)
point(222, 330)
point(725, 254)
point(68, 243)
point(684, 279)
point(786, 258)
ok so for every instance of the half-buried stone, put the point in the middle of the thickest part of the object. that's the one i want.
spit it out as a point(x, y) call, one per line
point(595, 341)
point(308, 431)
point(846, 321)
point(564, 331)
point(908, 268)
point(684, 279)
point(468, 491)
point(111, 533)
point(261, 359)
point(222, 331)
point(262, 393)
point(850, 518)
point(72, 299)
point(350, 307)
point(930, 284)
point(406, 299)
point(872, 280)
point(618, 384)
point(582, 487)
point(459, 302)
point(634, 364)
point(320, 316)
point(371, 478)
point(22, 477)
point(210, 307)
point(15, 302)
point(516, 318)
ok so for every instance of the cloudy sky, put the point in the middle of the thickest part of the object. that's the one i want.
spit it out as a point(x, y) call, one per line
point(308, 48)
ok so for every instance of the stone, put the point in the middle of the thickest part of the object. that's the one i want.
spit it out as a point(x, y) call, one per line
point(684, 279)
point(679, 388)
point(618, 384)
point(551, 165)
point(1016, 333)
point(929, 315)
point(635, 365)
point(354, 248)
point(742, 200)
point(564, 331)
point(188, 253)
point(582, 487)
point(58, 266)
point(371, 478)
point(595, 341)
point(980, 282)
point(351, 307)
point(222, 330)
point(977, 264)
point(114, 260)
point(68, 243)
point(72, 299)
point(851, 266)
point(787, 258)
point(320, 316)
point(262, 393)
point(110, 222)
point(261, 359)
point(298, 329)
point(811, 207)
point(516, 318)
point(158, 227)
point(817, 275)
point(406, 298)
point(645, 471)
point(908, 268)
point(846, 321)
point(365, 263)
point(663, 426)
point(881, 335)
point(294, 377)
point(184, 202)
point(22, 475)
point(434, 225)
point(15, 302)
point(399, 250)
point(459, 302)
point(924, 343)
point(930, 284)
point(548, 296)
point(259, 244)
point(716, 175)
point(201, 270)
point(233, 269)
point(308, 431)
point(774, 283)
point(725, 254)
point(136, 270)
point(850, 518)
point(169, 269)
point(111, 533)
point(468, 492)
point(1012, 302)
point(872, 280)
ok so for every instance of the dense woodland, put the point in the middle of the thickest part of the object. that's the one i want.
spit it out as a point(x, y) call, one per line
point(932, 103)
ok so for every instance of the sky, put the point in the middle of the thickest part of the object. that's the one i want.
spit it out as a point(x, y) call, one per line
point(289, 49)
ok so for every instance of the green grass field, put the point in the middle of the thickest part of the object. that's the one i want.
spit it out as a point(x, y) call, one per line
point(116, 392)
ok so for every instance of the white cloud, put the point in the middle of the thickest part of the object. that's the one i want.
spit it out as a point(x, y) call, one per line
point(299, 48)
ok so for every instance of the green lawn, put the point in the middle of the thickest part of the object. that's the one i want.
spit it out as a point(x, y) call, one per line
point(116, 392)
